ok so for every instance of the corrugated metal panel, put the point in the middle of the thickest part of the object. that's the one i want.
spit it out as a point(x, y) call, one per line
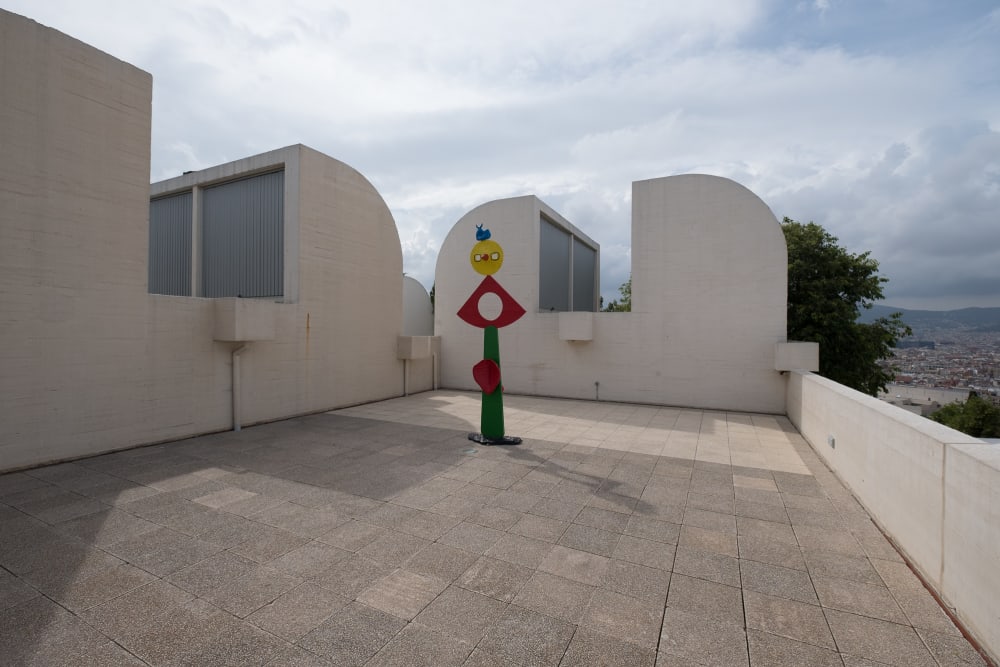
point(243, 237)
point(170, 245)
point(553, 267)
point(584, 265)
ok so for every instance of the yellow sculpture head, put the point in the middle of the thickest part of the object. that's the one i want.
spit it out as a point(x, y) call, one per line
point(486, 257)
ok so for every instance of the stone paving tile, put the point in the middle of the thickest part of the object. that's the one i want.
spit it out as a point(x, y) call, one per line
point(645, 552)
point(949, 649)
point(419, 646)
point(839, 566)
point(556, 509)
point(461, 614)
point(638, 581)
point(211, 573)
point(107, 527)
point(179, 633)
point(393, 548)
point(246, 594)
point(707, 565)
point(13, 591)
point(634, 620)
point(521, 636)
point(878, 640)
point(752, 510)
point(309, 560)
point(80, 594)
point(701, 641)
point(268, 544)
point(353, 535)
point(650, 528)
point(555, 596)
point(581, 566)
point(592, 540)
point(788, 618)
point(772, 552)
point(920, 608)
point(519, 550)
point(135, 611)
point(352, 635)
point(41, 632)
point(298, 611)
point(777, 581)
point(471, 537)
point(768, 649)
point(441, 561)
point(724, 543)
point(403, 593)
point(240, 644)
point(716, 521)
point(709, 600)
point(863, 599)
point(540, 528)
point(495, 578)
point(589, 647)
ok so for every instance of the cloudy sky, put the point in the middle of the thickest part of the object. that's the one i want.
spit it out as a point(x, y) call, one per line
point(879, 119)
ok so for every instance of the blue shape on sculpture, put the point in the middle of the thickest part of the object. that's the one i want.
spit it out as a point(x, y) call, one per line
point(482, 234)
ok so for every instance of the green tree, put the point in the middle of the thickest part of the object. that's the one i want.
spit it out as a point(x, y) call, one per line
point(827, 288)
point(625, 305)
point(976, 417)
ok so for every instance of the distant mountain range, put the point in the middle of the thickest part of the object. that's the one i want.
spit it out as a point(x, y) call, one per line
point(969, 319)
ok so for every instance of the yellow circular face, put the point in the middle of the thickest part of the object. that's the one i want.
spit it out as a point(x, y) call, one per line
point(486, 257)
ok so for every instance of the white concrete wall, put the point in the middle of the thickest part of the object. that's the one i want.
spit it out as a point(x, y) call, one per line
point(89, 361)
point(74, 183)
point(934, 490)
point(708, 294)
point(418, 315)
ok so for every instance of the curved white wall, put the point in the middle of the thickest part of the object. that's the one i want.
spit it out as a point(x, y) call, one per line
point(418, 316)
point(708, 290)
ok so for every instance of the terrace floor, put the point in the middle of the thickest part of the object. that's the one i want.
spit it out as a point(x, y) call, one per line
point(616, 534)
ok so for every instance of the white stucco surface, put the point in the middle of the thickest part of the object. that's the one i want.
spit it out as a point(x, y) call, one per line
point(418, 315)
point(90, 361)
point(708, 296)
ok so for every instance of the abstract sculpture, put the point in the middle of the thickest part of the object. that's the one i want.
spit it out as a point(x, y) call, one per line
point(486, 259)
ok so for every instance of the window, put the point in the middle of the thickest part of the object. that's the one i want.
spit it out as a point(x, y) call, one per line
point(567, 270)
point(241, 240)
point(243, 237)
point(170, 245)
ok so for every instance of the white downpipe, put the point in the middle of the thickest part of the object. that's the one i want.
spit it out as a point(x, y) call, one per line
point(237, 414)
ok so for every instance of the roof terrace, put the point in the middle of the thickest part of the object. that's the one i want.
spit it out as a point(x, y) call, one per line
point(616, 534)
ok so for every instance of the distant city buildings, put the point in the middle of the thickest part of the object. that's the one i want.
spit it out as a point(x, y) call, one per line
point(959, 361)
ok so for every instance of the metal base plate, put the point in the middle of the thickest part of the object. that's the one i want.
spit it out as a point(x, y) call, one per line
point(505, 440)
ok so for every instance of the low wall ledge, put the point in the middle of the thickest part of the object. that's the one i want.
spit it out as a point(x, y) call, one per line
point(796, 356)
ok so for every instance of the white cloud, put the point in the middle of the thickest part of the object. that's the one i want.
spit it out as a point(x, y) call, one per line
point(882, 130)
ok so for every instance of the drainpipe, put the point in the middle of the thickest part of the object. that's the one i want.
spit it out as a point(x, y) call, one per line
point(236, 385)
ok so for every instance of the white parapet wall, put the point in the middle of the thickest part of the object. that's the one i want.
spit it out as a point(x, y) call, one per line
point(933, 490)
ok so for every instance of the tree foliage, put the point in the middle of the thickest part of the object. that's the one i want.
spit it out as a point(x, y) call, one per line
point(827, 288)
point(976, 417)
point(625, 305)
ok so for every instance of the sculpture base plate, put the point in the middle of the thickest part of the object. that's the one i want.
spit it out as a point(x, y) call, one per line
point(504, 440)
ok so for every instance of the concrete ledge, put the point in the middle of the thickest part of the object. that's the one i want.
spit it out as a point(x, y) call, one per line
point(796, 356)
point(576, 326)
point(971, 541)
point(934, 490)
point(417, 347)
point(243, 320)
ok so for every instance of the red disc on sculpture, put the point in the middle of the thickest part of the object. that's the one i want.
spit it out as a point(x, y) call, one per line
point(510, 311)
point(487, 375)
